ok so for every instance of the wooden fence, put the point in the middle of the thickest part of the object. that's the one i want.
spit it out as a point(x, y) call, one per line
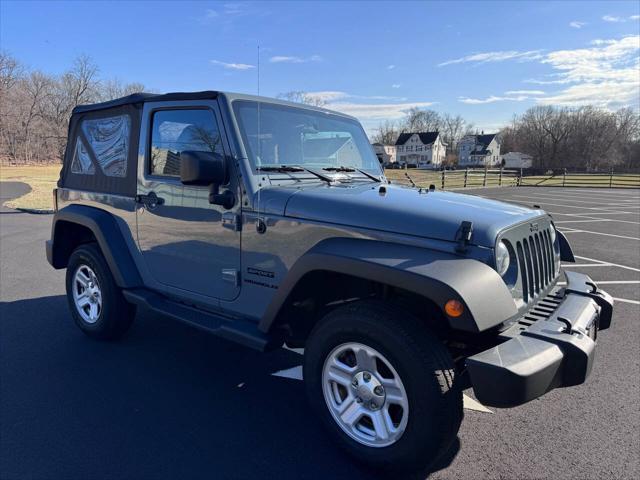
point(503, 177)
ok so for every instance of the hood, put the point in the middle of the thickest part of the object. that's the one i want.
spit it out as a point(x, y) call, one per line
point(404, 210)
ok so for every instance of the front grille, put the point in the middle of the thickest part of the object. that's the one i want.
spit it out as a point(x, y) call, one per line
point(536, 262)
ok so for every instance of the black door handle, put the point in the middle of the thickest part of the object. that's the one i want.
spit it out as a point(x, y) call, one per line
point(150, 200)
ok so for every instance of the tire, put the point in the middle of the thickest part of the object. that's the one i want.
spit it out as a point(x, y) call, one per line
point(402, 347)
point(108, 315)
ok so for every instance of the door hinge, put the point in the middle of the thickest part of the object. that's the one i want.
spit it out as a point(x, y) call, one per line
point(232, 221)
point(231, 275)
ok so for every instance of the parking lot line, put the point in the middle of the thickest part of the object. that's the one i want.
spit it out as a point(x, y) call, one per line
point(608, 263)
point(604, 211)
point(596, 220)
point(578, 265)
point(593, 198)
point(590, 216)
point(571, 230)
point(626, 300)
point(610, 282)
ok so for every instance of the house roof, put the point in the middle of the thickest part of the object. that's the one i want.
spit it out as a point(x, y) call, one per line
point(485, 139)
point(425, 137)
point(324, 147)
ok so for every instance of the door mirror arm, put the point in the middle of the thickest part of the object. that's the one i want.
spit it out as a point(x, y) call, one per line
point(226, 199)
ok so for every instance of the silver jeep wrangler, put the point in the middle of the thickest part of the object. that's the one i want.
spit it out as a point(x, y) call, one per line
point(270, 223)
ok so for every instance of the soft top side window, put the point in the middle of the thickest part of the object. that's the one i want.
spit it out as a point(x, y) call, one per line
point(175, 131)
point(109, 139)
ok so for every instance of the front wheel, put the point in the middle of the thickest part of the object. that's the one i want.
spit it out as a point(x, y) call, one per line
point(383, 385)
point(97, 304)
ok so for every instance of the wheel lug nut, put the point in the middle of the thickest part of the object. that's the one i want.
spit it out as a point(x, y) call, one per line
point(355, 382)
point(358, 400)
point(374, 406)
point(366, 376)
point(378, 390)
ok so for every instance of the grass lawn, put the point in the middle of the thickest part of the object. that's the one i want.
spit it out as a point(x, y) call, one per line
point(41, 179)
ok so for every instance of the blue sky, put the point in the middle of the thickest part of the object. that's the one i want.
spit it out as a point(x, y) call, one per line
point(484, 60)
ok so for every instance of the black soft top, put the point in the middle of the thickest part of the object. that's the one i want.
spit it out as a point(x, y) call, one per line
point(146, 97)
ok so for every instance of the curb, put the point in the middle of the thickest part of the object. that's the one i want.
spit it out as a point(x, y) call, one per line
point(34, 211)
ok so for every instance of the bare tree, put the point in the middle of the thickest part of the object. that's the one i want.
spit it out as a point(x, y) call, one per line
point(453, 128)
point(299, 96)
point(418, 120)
point(114, 88)
point(10, 72)
point(386, 133)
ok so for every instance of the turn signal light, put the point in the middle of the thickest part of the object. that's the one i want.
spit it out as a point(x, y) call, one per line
point(454, 308)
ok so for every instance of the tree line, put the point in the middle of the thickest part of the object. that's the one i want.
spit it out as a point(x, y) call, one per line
point(585, 138)
point(35, 107)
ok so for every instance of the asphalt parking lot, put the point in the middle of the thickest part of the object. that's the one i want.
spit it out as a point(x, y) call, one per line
point(171, 402)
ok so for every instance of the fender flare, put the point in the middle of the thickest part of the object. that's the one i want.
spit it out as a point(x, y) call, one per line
point(566, 252)
point(109, 236)
point(435, 275)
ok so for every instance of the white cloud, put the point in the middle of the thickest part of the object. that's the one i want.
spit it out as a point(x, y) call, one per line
point(396, 85)
point(501, 56)
point(233, 66)
point(377, 111)
point(524, 92)
point(634, 17)
point(493, 99)
point(613, 19)
point(329, 95)
point(605, 73)
point(294, 59)
point(390, 67)
point(577, 24)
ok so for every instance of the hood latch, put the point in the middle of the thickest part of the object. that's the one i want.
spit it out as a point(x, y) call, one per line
point(463, 236)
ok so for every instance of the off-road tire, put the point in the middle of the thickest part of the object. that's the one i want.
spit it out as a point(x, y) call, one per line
point(424, 366)
point(116, 314)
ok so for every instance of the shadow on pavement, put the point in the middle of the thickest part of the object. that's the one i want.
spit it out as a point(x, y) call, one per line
point(167, 401)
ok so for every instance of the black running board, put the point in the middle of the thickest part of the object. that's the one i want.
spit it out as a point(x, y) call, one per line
point(244, 332)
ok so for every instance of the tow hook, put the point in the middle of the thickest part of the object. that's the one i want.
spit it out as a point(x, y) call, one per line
point(568, 327)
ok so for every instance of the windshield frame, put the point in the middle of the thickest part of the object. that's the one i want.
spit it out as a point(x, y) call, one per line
point(286, 106)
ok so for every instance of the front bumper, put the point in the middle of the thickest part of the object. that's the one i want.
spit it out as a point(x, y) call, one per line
point(551, 352)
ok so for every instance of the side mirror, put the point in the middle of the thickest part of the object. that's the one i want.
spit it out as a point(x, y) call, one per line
point(207, 168)
point(203, 168)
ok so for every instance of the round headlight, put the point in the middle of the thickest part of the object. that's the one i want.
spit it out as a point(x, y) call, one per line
point(553, 234)
point(502, 258)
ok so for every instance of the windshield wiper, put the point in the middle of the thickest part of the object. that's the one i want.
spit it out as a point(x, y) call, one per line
point(294, 168)
point(281, 168)
point(352, 169)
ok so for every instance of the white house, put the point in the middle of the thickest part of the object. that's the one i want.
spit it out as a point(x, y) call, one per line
point(479, 151)
point(425, 149)
point(337, 150)
point(517, 160)
point(385, 153)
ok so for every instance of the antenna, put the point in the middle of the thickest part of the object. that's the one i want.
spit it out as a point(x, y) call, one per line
point(260, 223)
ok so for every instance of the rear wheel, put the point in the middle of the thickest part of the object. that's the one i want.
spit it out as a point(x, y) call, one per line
point(383, 385)
point(98, 307)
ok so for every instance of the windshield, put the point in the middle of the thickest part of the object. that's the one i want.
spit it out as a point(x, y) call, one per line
point(283, 135)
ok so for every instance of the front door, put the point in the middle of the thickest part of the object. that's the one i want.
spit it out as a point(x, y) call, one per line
point(186, 243)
